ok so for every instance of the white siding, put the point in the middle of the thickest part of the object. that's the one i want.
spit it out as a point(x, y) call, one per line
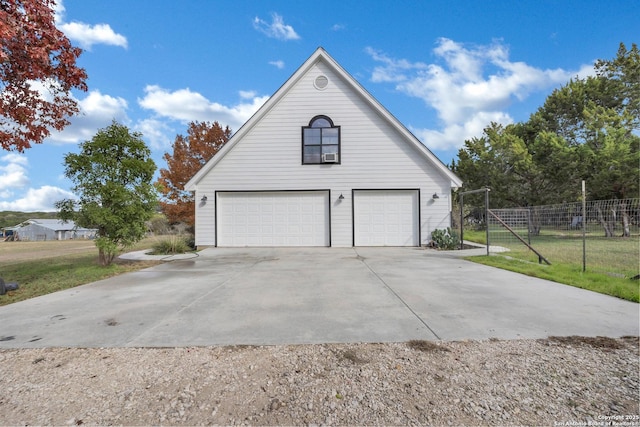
point(373, 155)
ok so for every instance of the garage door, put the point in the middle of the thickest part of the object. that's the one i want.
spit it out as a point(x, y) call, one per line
point(288, 218)
point(386, 218)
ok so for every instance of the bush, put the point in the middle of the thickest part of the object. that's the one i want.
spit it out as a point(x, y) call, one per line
point(158, 225)
point(445, 239)
point(171, 245)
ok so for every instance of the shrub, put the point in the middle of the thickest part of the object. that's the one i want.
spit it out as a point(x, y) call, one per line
point(445, 239)
point(171, 245)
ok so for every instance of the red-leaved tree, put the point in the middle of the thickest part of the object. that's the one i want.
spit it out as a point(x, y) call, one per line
point(37, 72)
point(190, 153)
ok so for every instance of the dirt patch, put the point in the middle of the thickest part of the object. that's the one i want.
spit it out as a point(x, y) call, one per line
point(426, 346)
point(595, 342)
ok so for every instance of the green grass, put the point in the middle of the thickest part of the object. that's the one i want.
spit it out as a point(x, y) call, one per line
point(598, 282)
point(611, 262)
point(617, 255)
point(37, 277)
point(475, 236)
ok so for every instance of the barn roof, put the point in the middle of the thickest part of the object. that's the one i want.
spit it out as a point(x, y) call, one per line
point(53, 224)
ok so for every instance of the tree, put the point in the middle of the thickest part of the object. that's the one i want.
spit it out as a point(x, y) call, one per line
point(113, 178)
point(587, 129)
point(521, 169)
point(35, 54)
point(190, 153)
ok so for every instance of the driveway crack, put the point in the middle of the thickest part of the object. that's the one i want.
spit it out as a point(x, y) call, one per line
point(386, 285)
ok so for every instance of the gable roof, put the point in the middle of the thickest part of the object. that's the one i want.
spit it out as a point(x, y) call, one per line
point(321, 55)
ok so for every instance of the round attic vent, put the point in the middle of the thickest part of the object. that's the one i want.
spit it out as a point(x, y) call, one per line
point(321, 82)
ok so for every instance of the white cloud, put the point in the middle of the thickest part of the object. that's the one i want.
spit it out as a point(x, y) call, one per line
point(278, 64)
point(186, 106)
point(277, 29)
point(96, 112)
point(468, 87)
point(155, 131)
point(247, 94)
point(451, 135)
point(13, 174)
point(14, 181)
point(87, 35)
point(39, 199)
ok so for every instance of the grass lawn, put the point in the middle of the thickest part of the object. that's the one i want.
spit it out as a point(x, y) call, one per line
point(40, 268)
point(611, 263)
point(562, 273)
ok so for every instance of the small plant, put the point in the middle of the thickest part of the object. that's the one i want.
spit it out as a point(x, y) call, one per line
point(171, 245)
point(445, 239)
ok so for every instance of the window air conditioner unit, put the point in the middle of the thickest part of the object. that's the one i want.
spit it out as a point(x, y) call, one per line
point(330, 158)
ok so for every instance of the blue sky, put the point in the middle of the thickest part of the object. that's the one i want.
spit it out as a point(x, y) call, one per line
point(445, 69)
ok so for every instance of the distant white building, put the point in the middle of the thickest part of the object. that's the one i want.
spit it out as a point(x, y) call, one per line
point(51, 229)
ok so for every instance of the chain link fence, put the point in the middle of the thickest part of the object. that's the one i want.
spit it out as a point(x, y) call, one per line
point(604, 237)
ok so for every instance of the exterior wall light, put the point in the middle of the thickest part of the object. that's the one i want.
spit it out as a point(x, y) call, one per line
point(204, 199)
point(435, 196)
point(341, 197)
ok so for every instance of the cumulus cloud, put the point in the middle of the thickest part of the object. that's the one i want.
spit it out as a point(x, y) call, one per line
point(277, 29)
point(155, 131)
point(37, 199)
point(13, 174)
point(185, 105)
point(87, 35)
point(467, 86)
point(96, 112)
point(14, 181)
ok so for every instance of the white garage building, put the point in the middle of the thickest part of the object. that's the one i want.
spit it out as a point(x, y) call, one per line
point(322, 163)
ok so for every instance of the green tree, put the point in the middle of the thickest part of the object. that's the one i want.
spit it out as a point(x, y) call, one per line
point(113, 176)
point(601, 116)
point(521, 168)
point(587, 129)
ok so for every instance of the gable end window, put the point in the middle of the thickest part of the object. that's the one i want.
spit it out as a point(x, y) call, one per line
point(320, 142)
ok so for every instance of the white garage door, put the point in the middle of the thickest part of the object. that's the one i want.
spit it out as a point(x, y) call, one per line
point(386, 218)
point(287, 218)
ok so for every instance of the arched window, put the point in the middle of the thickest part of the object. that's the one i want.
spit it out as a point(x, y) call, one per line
point(320, 141)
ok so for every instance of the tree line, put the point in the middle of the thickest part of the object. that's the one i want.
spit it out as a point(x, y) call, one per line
point(588, 129)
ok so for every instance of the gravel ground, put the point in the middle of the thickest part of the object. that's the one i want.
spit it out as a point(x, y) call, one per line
point(556, 381)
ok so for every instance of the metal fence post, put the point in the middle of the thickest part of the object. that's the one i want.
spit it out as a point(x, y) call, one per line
point(529, 225)
point(461, 221)
point(584, 227)
point(486, 214)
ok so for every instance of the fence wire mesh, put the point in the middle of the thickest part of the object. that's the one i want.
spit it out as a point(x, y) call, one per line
point(611, 231)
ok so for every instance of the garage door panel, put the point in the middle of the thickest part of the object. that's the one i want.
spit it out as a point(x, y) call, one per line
point(296, 218)
point(386, 218)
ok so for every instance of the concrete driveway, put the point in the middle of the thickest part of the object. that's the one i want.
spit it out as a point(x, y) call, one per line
point(319, 295)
